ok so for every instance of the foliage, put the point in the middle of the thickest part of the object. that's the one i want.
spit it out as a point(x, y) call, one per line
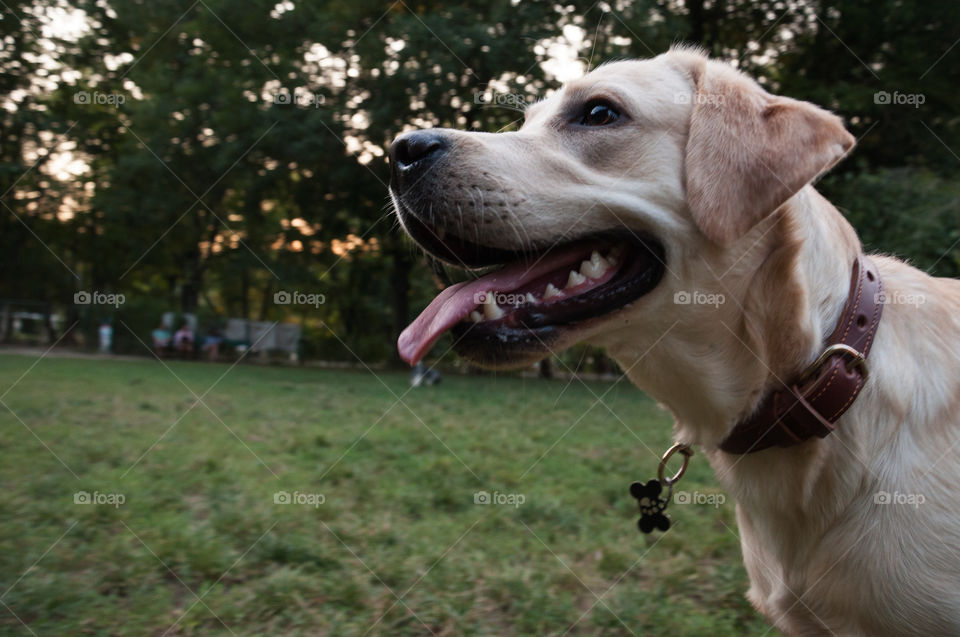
point(910, 213)
point(241, 151)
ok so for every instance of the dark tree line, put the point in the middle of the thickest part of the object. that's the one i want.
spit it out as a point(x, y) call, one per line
point(231, 150)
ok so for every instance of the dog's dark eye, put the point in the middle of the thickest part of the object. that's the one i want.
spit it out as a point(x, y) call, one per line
point(598, 114)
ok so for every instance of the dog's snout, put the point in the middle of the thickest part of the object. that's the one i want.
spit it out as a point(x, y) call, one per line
point(417, 147)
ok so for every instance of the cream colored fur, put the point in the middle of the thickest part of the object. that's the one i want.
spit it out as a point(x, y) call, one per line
point(719, 171)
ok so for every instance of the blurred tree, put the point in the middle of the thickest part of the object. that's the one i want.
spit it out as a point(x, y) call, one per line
point(908, 212)
point(237, 149)
point(221, 179)
point(39, 263)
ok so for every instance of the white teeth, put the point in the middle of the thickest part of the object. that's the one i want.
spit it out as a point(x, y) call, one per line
point(491, 310)
point(475, 316)
point(575, 279)
point(595, 267)
point(530, 298)
point(551, 291)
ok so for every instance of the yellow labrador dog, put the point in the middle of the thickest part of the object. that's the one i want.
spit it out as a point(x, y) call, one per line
point(663, 209)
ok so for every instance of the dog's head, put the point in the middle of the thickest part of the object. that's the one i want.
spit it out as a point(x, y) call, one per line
point(607, 189)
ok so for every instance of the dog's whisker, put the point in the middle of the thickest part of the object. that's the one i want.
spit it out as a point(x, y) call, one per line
point(513, 219)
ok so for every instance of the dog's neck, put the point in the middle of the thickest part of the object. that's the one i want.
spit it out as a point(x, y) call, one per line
point(781, 294)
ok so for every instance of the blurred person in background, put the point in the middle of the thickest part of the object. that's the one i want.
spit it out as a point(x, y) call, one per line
point(183, 340)
point(211, 344)
point(161, 339)
point(106, 336)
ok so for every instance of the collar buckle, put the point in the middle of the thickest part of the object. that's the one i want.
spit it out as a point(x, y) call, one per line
point(855, 359)
point(809, 407)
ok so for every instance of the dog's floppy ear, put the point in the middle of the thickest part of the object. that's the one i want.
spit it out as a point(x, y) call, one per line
point(749, 151)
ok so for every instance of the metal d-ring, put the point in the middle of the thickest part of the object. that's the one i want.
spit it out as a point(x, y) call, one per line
point(685, 451)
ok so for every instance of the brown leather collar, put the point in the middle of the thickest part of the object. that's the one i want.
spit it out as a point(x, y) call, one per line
point(810, 406)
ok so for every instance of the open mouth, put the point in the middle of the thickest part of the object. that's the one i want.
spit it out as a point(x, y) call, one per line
point(514, 313)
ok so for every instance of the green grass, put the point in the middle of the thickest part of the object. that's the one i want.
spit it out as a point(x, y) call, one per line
point(399, 518)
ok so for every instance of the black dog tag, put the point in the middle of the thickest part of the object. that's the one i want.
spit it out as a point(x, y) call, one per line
point(652, 506)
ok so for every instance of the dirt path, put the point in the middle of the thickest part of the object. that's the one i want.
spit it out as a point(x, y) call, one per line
point(64, 352)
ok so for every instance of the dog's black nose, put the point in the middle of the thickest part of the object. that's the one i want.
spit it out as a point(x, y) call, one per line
point(417, 147)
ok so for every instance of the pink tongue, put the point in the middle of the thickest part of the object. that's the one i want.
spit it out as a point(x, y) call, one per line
point(457, 301)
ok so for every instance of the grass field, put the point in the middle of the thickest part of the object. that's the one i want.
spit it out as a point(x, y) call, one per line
point(382, 507)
